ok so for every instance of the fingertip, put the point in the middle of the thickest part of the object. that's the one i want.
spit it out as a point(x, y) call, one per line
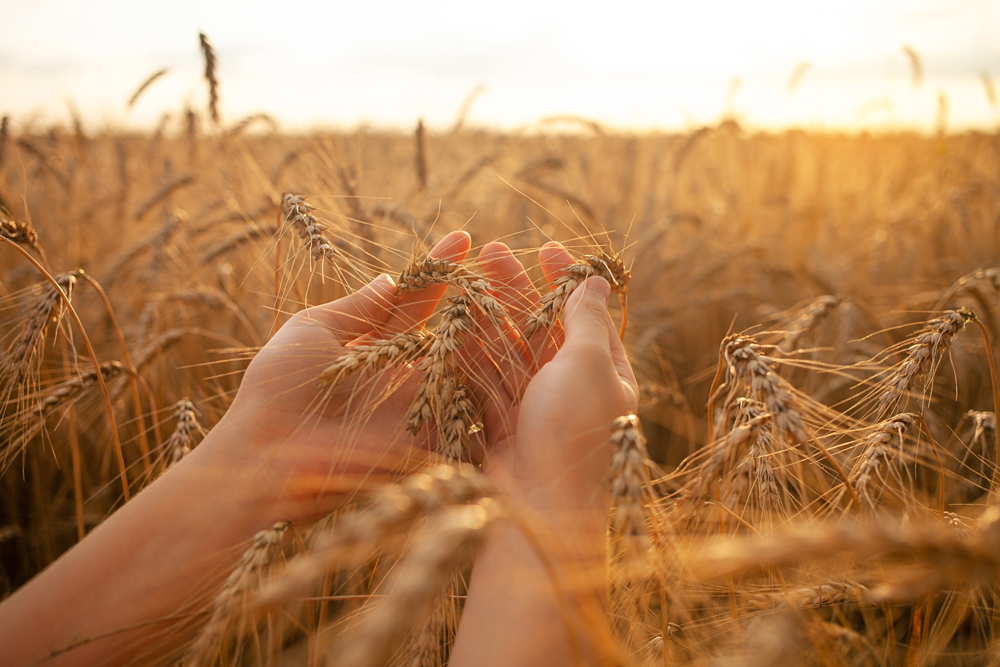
point(494, 251)
point(383, 284)
point(454, 246)
point(553, 258)
point(594, 290)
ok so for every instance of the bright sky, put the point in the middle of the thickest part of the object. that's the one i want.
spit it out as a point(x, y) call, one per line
point(639, 65)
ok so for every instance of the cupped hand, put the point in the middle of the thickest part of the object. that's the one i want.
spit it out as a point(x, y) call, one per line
point(307, 448)
point(551, 406)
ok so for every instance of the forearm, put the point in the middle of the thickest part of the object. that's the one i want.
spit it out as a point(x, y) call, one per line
point(131, 591)
point(537, 594)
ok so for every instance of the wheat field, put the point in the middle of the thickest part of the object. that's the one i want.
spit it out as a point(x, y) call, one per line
point(812, 319)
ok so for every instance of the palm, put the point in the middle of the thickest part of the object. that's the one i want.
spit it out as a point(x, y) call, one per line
point(327, 442)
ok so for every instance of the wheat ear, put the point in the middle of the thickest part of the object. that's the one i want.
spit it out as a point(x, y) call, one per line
point(232, 599)
point(395, 509)
point(415, 580)
point(439, 363)
point(295, 211)
point(629, 482)
point(75, 386)
point(923, 355)
point(213, 82)
point(609, 267)
point(881, 445)
point(429, 271)
point(401, 349)
point(178, 445)
point(24, 354)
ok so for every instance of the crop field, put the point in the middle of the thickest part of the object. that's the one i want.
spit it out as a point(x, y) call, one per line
point(812, 319)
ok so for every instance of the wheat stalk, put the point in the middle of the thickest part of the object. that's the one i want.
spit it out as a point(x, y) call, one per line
point(213, 82)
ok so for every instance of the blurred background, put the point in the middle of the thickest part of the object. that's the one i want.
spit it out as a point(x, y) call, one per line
point(852, 64)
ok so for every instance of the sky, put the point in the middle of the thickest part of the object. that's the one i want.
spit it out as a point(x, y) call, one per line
point(636, 65)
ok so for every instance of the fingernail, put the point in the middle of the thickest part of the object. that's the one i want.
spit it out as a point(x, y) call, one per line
point(599, 285)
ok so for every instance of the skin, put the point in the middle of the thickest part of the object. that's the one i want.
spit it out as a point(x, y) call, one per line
point(285, 450)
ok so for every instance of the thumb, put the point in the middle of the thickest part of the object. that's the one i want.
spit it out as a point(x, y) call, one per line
point(585, 316)
point(588, 326)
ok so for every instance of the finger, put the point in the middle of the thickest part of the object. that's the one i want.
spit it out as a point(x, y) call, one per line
point(415, 308)
point(356, 314)
point(518, 297)
point(589, 325)
point(554, 259)
point(509, 281)
point(586, 317)
point(622, 365)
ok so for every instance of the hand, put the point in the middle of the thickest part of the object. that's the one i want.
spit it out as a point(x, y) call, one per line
point(551, 455)
point(306, 450)
point(551, 408)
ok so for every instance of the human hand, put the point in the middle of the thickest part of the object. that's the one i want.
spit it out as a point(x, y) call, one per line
point(304, 449)
point(549, 414)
